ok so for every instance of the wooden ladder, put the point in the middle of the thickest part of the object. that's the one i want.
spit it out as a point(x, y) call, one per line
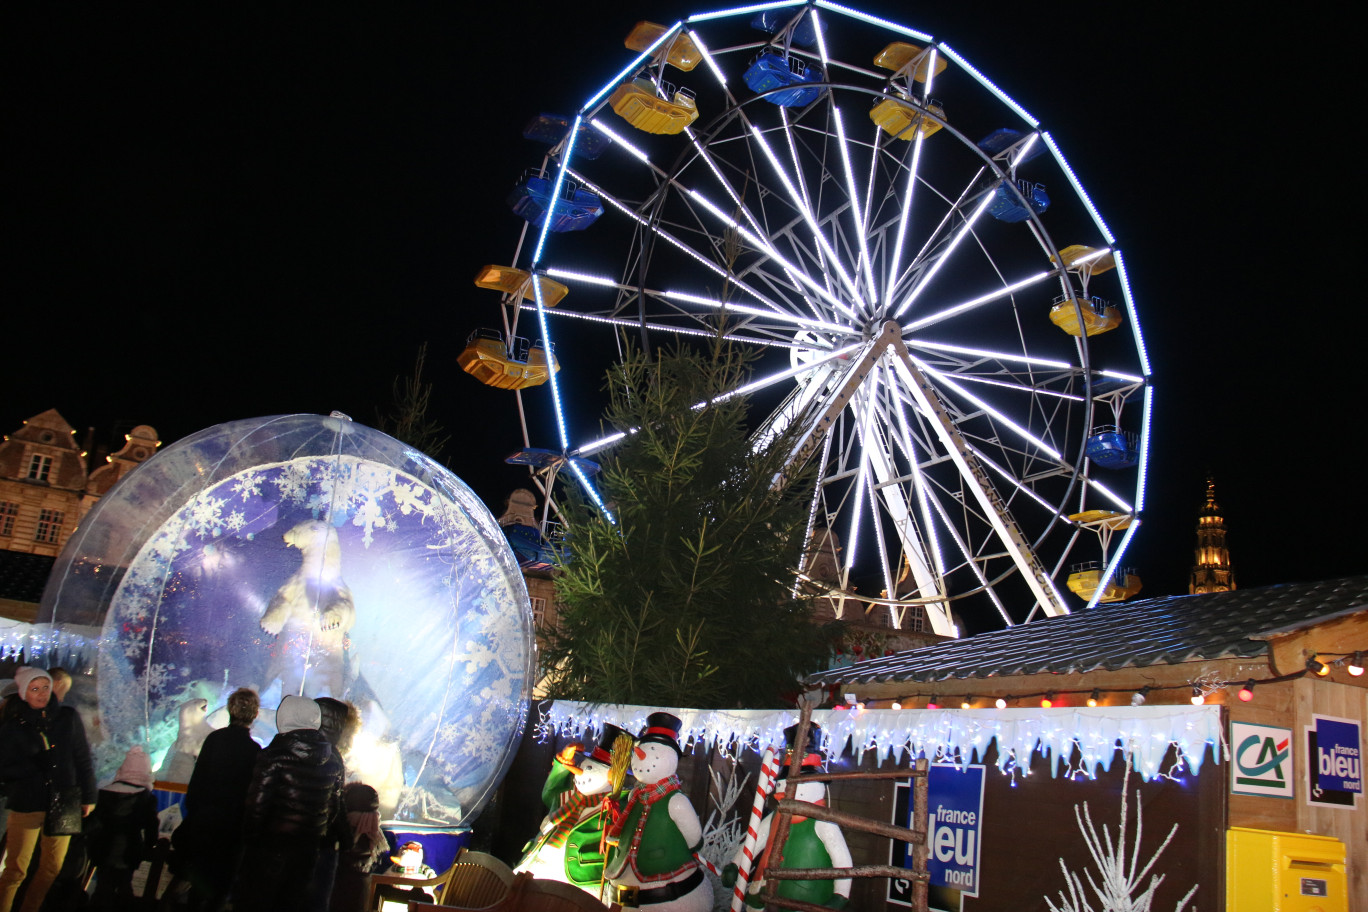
point(788, 807)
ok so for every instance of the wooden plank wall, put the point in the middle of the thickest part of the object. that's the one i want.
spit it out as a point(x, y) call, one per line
point(1351, 827)
point(1293, 704)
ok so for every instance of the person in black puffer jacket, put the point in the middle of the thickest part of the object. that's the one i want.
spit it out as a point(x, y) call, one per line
point(293, 802)
point(42, 750)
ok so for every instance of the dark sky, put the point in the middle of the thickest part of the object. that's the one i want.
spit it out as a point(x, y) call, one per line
point(217, 211)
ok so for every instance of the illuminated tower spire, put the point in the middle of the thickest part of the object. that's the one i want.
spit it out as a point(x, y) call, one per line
point(1212, 571)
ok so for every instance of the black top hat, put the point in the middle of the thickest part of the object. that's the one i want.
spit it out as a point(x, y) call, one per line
point(812, 750)
point(661, 728)
point(604, 752)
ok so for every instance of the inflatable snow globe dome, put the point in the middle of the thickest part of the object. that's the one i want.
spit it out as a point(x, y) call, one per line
point(302, 554)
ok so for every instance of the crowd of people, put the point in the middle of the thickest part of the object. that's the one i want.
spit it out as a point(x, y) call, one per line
point(274, 828)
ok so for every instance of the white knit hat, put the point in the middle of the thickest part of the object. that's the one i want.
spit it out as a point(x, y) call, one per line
point(295, 713)
point(24, 675)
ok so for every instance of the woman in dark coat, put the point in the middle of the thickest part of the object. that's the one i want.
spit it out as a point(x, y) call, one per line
point(43, 751)
point(209, 842)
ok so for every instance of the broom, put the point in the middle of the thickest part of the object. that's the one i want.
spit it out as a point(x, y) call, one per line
point(617, 774)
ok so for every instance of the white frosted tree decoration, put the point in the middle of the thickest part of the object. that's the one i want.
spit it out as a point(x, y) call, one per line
point(722, 835)
point(1118, 875)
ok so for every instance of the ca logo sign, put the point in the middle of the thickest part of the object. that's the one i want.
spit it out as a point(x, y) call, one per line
point(1261, 760)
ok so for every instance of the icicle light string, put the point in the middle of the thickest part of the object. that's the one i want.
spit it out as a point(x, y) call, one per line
point(1145, 734)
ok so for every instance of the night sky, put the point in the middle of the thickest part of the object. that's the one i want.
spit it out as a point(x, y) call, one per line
point(219, 211)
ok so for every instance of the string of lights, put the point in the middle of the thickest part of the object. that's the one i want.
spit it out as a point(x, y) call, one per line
point(1319, 665)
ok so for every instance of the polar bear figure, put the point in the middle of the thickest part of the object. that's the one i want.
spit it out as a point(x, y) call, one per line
point(310, 614)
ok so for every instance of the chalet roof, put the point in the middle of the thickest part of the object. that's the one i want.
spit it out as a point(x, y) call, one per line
point(23, 576)
point(1154, 631)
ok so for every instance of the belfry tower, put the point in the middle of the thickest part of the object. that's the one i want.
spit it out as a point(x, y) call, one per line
point(1212, 571)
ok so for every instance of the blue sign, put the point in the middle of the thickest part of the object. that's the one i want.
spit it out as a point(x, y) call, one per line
point(954, 803)
point(1339, 756)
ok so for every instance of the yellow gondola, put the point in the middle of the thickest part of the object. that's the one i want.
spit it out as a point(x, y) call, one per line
point(487, 359)
point(1098, 315)
point(637, 103)
point(683, 54)
point(1107, 519)
point(1082, 258)
point(510, 280)
point(1123, 584)
point(899, 54)
point(901, 119)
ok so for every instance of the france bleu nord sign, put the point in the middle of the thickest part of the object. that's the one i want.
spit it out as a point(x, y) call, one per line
point(954, 800)
point(1339, 761)
point(1261, 760)
point(1334, 752)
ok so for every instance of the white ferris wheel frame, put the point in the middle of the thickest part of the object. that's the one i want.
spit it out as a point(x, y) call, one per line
point(872, 394)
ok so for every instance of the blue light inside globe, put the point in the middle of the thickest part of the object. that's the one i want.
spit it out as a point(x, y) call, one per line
point(307, 555)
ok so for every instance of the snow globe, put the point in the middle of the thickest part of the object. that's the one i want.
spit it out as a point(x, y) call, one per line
point(302, 554)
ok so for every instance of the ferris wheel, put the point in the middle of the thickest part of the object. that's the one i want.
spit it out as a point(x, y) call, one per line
point(943, 317)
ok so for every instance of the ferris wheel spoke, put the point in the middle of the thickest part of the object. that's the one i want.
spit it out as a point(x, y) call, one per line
point(931, 266)
point(798, 201)
point(964, 307)
point(997, 414)
point(863, 262)
point(970, 560)
point(775, 310)
point(681, 331)
point(905, 216)
point(818, 251)
point(796, 277)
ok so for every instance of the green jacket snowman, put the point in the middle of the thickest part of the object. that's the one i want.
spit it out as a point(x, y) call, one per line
point(653, 837)
point(567, 847)
point(810, 843)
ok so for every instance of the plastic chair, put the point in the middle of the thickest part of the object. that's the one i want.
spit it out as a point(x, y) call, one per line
point(554, 896)
point(475, 882)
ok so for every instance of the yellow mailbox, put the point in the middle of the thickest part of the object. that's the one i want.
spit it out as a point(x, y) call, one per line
point(1270, 871)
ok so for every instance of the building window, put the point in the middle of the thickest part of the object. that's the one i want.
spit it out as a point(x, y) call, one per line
point(39, 467)
point(49, 526)
point(538, 611)
point(8, 511)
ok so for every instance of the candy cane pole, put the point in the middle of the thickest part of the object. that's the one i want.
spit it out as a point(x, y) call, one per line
point(769, 768)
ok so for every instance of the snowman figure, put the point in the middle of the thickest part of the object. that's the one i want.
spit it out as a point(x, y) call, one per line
point(652, 840)
point(810, 844)
point(567, 847)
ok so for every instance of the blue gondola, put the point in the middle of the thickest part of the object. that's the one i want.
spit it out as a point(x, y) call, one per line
point(1007, 205)
point(540, 458)
point(772, 20)
point(532, 551)
point(771, 70)
point(550, 129)
point(999, 141)
point(1113, 448)
point(576, 210)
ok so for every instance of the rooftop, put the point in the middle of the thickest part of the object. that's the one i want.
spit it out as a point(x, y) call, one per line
point(1156, 631)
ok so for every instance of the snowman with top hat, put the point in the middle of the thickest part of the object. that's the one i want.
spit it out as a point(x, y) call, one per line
point(810, 843)
point(653, 838)
point(568, 846)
